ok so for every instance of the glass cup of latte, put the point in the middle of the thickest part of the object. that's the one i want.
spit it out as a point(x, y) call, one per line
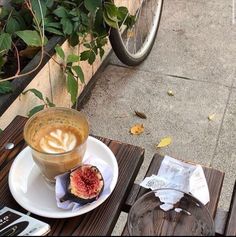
point(57, 137)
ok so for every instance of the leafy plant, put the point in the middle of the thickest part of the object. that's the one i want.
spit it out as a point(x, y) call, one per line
point(72, 71)
point(46, 101)
point(26, 26)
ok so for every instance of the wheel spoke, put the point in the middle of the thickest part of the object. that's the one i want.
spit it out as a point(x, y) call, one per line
point(142, 31)
point(136, 43)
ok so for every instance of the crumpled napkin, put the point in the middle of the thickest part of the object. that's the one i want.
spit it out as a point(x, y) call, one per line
point(60, 187)
point(179, 175)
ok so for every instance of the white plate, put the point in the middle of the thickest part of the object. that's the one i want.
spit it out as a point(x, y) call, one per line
point(31, 191)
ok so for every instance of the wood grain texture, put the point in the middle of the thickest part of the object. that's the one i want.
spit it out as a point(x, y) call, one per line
point(231, 221)
point(13, 133)
point(101, 220)
point(214, 179)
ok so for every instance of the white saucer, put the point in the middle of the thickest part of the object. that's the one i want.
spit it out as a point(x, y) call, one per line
point(30, 190)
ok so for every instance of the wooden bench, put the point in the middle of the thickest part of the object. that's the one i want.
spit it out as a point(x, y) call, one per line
point(225, 222)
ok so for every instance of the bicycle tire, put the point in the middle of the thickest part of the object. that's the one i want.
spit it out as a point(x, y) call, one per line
point(122, 52)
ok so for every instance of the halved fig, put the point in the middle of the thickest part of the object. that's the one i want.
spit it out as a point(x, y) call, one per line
point(85, 184)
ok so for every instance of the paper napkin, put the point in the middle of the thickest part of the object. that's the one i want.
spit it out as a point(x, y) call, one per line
point(182, 176)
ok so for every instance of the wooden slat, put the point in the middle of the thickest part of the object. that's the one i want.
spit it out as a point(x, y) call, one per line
point(12, 134)
point(231, 221)
point(220, 221)
point(101, 220)
point(132, 197)
point(214, 179)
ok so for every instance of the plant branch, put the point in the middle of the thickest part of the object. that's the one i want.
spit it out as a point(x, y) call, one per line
point(29, 6)
point(59, 64)
point(7, 19)
point(18, 59)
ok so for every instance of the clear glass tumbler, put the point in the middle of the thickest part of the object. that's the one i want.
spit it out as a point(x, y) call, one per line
point(58, 139)
point(169, 212)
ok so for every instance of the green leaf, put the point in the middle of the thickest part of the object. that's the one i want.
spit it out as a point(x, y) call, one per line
point(79, 72)
point(101, 42)
point(54, 31)
point(35, 92)
point(5, 41)
point(30, 37)
point(109, 22)
point(73, 39)
point(50, 103)
point(60, 52)
point(61, 12)
point(87, 55)
point(67, 26)
point(37, 10)
point(2, 61)
point(130, 21)
point(4, 12)
point(27, 17)
point(72, 58)
point(53, 24)
point(92, 5)
point(87, 45)
point(92, 58)
point(5, 87)
point(111, 11)
point(84, 19)
point(98, 25)
point(101, 52)
point(72, 87)
point(35, 110)
point(75, 12)
point(14, 24)
point(122, 13)
point(49, 3)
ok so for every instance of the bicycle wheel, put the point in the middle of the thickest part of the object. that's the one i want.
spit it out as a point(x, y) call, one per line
point(132, 46)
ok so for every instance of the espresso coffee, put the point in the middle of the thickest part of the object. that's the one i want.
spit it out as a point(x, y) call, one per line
point(57, 137)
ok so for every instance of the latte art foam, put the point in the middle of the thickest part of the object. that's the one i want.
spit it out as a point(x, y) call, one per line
point(58, 141)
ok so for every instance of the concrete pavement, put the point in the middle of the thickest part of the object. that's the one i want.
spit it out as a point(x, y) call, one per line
point(194, 56)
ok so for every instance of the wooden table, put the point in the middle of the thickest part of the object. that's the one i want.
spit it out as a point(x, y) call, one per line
point(101, 220)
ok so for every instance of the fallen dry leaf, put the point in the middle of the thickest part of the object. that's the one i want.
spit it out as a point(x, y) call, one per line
point(137, 129)
point(130, 34)
point(140, 114)
point(164, 142)
point(170, 93)
point(29, 52)
point(211, 117)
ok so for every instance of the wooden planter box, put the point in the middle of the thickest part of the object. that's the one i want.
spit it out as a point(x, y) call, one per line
point(48, 79)
point(20, 84)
